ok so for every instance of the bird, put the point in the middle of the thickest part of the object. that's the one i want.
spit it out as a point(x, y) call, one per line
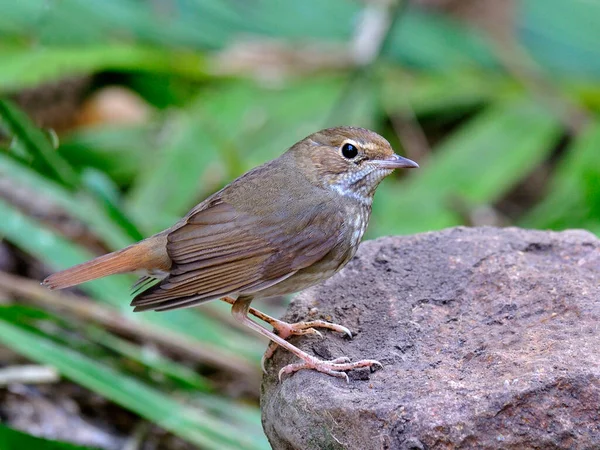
point(280, 228)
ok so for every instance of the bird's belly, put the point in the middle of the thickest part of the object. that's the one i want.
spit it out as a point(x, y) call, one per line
point(299, 281)
point(309, 276)
point(330, 264)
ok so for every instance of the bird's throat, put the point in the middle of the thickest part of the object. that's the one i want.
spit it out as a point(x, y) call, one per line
point(360, 185)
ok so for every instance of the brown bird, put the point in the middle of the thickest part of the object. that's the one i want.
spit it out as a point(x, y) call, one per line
point(278, 229)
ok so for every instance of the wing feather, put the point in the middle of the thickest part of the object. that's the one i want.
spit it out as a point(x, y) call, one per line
point(219, 250)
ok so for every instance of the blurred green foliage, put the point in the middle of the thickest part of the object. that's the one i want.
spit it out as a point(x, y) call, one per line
point(14, 440)
point(495, 113)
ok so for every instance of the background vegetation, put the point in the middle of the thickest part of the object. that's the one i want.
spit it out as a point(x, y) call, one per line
point(120, 115)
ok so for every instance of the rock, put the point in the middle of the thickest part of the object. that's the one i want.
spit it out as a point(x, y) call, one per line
point(489, 339)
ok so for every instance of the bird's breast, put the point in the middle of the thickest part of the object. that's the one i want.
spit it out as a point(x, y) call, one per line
point(356, 219)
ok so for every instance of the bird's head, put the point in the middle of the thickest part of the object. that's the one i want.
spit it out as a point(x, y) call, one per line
point(351, 161)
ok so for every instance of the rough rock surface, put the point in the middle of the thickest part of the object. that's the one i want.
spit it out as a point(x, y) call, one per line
point(490, 339)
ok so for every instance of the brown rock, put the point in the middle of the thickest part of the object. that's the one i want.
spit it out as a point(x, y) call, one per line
point(490, 339)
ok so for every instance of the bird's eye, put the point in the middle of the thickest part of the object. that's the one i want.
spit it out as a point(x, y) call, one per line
point(349, 151)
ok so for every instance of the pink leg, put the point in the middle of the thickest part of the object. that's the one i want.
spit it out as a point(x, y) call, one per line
point(285, 330)
point(334, 368)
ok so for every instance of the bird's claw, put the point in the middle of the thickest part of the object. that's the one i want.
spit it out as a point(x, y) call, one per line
point(267, 355)
point(335, 367)
point(285, 330)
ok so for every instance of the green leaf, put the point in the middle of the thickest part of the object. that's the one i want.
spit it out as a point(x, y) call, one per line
point(437, 42)
point(573, 199)
point(114, 150)
point(80, 205)
point(106, 193)
point(36, 144)
point(91, 207)
point(273, 119)
point(17, 440)
point(192, 424)
point(52, 248)
point(475, 166)
point(170, 182)
point(561, 36)
point(440, 93)
point(419, 37)
point(150, 359)
point(102, 345)
point(27, 67)
point(191, 24)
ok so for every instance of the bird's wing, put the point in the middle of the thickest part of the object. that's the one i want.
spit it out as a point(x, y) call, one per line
point(218, 251)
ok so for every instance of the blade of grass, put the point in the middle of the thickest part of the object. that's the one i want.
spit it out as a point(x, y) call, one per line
point(246, 417)
point(80, 205)
point(440, 93)
point(25, 66)
point(434, 41)
point(36, 143)
point(13, 439)
point(421, 38)
point(150, 359)
point(114, 150)
point(104, 216)
point(93, 341)
point(86, 310)
point(573, 199)
point(476, 165)
point(562, 36)
point(105, 192)
point(167, 185)
point(191, 424)
point(199, 25)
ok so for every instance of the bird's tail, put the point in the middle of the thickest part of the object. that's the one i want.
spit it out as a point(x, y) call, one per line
point(149, 254)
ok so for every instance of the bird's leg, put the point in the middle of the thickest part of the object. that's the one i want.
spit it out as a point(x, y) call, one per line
point(335, 368)
point(285, 330)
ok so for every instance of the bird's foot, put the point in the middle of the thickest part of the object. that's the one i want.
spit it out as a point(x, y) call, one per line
point(335, 367)
point(285, 330)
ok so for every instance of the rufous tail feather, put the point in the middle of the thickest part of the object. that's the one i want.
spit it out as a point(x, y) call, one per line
point(150, 254)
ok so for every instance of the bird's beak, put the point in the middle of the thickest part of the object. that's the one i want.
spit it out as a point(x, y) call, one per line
point(395, 162)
